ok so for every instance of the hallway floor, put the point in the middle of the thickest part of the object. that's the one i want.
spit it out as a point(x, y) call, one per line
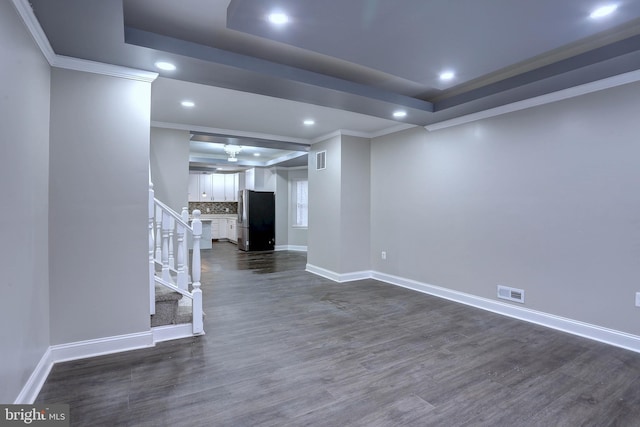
point(284, 347)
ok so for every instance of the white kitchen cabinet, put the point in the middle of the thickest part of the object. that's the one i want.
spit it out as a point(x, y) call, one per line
point(217, 183)
point(194, 188)
point(224, 228)
point(231, 187)
point(215, 229)
point(233, 233)
point(206, 188)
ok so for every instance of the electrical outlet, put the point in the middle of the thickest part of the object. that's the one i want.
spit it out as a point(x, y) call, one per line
point(637, 299)
point(383, 255)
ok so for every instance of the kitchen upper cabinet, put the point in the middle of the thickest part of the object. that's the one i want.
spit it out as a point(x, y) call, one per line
point(194, 188)
point(213, 187)
point(231, 187)
point(217, 182)
point(206, 188)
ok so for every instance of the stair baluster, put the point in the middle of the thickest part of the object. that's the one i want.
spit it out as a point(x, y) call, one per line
point(196, 224)
point(152, 266)
point(182, 272)
point(166, 223)
point(172, 226)
point(158, 233)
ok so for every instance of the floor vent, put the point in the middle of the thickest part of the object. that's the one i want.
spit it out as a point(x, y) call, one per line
point(511, 294)
point(321, 160)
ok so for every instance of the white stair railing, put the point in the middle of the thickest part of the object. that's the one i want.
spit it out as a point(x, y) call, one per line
point(164, 224)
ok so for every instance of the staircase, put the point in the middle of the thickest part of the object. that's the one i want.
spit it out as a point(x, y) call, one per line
point(173, 298)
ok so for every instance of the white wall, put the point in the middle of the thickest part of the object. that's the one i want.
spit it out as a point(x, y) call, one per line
point(355, 205)
point(99, 160)
point(24, 174)
point(339, 203)
point(170, 166)
point(544, 199)
point(324, 207)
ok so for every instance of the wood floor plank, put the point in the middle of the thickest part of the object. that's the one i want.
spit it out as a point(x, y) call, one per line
point(284, 347)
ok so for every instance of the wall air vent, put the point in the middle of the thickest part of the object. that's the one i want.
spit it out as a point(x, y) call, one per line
point(511, 294)
point(321, 160)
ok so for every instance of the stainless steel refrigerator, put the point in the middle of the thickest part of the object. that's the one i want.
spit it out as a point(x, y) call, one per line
point(256, 220)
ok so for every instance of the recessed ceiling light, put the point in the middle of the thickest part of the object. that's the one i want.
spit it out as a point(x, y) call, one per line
point(188, 104)
point(309, 122)
point(399, 114)
point(604, 11)
point(447, 75)
point(165, 66)
point(256, 154)
point(278, 18)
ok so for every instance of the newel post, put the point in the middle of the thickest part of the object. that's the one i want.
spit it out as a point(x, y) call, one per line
point(196, 225)
point(152, 267)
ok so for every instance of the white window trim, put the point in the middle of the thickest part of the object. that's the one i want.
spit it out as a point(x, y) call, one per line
point(294, 203)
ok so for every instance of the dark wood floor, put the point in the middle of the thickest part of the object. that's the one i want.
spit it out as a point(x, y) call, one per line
point(286, 348)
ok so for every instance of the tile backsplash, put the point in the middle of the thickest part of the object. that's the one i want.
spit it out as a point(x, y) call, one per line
point(214, 207)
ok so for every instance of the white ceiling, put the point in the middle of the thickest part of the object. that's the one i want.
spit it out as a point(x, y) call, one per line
point(346, 64)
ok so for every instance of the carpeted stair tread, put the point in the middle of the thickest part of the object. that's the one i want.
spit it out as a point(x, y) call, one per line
point(165, 294)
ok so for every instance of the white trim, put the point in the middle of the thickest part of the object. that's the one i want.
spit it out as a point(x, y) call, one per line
point(230, 132)
point(297, 248)
point(100, 346)
point(31, 22)
point(367, 135)
point(621, 79)
point(80, 350)
point(29, 19)
point(70, 63)
point(575, 327)
point(326, 136)
point(172, 332)
point(338, 277)
point(392, 129)
point(36, 380)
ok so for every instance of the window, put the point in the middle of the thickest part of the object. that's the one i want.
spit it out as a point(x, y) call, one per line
point(300, 203)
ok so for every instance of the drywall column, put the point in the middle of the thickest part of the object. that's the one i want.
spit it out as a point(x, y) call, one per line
point(170, 166)
point(355, 198)
point(338, 235)
point(24, 174)
point(99, 154)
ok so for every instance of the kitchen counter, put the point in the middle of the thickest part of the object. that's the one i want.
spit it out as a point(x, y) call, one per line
point(210, 217)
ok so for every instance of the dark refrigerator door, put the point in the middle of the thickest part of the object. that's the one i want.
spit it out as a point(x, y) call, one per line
point(261, 218)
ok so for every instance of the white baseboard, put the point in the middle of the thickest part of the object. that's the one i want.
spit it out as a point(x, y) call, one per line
point(575, 327)
point(78, 350)
point(338, 277)
point(100, 346)
point(172, 332)
point(297, 248)
point(34, 384)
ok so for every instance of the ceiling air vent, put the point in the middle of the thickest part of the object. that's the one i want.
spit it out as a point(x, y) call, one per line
point(511, 294)
point(321, 160)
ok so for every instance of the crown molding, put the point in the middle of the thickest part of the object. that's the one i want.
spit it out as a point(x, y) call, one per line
point(229, 132)
point(76, 64)
point(572, 92)
point(392, 129)
point(29, 19)
point(24, 9)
